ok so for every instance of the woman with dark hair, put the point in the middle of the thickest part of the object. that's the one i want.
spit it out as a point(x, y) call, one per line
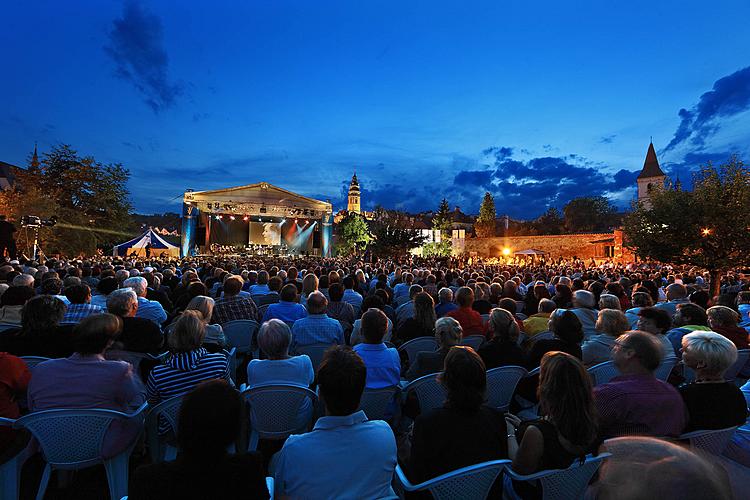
point(502, 349)
point(618, 291)
point(563, 296)
point(203, 468)
point(567, 429)
point(464, 431)
point(533, 296)
point(653, 290)
point(657, 322)
point(194, 289)
point(596, 287)
point(423, 322)
point(40, 333)
point(568, 335)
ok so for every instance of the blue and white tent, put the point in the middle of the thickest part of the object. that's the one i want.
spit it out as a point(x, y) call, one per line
point(159, 247)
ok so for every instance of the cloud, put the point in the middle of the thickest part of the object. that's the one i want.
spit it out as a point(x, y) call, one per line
point(608, 139)
point(730, 96)
point(136, 46)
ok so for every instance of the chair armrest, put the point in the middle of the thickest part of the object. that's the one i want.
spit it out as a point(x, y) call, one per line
point(140, 411)
point(6, 422)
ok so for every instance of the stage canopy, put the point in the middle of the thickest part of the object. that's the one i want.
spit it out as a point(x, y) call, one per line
point(530, 251)
point(159, 247)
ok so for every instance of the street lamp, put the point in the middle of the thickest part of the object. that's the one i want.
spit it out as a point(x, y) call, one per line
point(506, 251)
point(706, 231)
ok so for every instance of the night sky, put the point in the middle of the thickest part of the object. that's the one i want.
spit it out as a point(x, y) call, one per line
point(424, 99)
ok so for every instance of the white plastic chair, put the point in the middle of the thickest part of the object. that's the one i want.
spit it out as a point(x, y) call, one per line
point(32, 361)
point(417, 345)
point(473, 341)
point(603, 372)
point(710, 441)
point(501, 384)
point(665, 367)
point(315, 352)
point(467, 483)
point(269, 485)
point(375, 402)
point(428, 390)
point(161, 447)
point(274, 411)
point(72, 439)
point(559, 483)
point(240, 333)
point(734, 370)
point(10, 471)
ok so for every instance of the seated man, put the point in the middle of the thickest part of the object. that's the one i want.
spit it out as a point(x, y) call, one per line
point(677, 294)
point(137, 334)
point(80, 304)
point(104, 288)
point(446, 303)
point(232, 306)
point(470, 320)
point(351, 296)
point(636, 402)
point(688, 318)
point(310, 465)
point(317, 327)
point(149, 309)
point(287, 309)
point(383, 363)
point(583, 307)
point(539, 322)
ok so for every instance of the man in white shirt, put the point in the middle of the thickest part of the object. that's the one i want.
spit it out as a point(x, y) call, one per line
point(149, 309)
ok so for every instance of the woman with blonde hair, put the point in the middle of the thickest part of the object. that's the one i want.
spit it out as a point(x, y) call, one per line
point(448, 333)
point(205, 306)
point(612, 323)
point(502, 349)
point(309, 285)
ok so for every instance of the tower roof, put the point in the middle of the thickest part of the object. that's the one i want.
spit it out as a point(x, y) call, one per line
point(651, 165)
point(354, 185)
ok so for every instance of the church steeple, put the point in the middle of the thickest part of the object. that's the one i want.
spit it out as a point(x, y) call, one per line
point(35, 159)
point(650, 178)
point(353, 204)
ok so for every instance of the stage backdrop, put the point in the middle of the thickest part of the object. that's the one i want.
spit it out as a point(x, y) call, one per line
point(265, 233)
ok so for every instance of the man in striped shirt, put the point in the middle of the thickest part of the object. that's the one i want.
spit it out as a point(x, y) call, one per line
point(232, 306)
point(79, 307)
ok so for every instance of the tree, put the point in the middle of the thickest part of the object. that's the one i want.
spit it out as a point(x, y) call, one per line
point(708, 227)
point(392, 233)
point(589, 214)
point(550, 222)
point(442, 221)
point(485, 224)
point(353, 234)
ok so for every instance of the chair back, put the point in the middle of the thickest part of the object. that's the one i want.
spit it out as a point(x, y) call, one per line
point(32, 361)
point(240, 334)
point(419, 344)
point(375, 402)
point(262, 309)
point(603, 372)
point(665, 367)
point(711, 441)
point(274, 408)
point(168, 410)
point(473, 482)
point(742, 357)
point(429, 392)
point(71, 438)
point(565, 483)
point(545, 335)
point(501, 384)
point(315, 352)
point(485, 318)
point(473, 341)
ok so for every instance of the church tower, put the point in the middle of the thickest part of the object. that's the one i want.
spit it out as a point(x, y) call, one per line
point(353, 204)
point(650, 178)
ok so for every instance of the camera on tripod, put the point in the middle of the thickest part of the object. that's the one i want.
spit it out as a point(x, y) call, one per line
point(34, 221)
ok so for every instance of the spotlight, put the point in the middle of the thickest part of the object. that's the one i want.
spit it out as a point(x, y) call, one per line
point(506, 251)
point(295, 221)
point(231, 217)
point(218, 216)
point(245, 218)
point(282, 221)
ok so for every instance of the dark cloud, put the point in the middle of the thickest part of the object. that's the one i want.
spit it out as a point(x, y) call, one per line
point(136, 46)
point(473, 177)
point(730, 95)
point(200, 116)
point(608, 139)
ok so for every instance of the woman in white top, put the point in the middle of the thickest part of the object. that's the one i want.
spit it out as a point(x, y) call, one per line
point(205, 306)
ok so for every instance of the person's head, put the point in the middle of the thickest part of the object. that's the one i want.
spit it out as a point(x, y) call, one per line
point(566, 326)
point(676, 291)
point(465, 296)
point(414, 290)
point(642, 468)
point(198, 435)
point(202, 304)
point(690, 314)
point(708, 353)
point(565, 396)
point(42, 314)
point(52, 286)
point(448, 332)
point(445, 295)
point(274, 338)
point(16, 296)
point(138, 284)
point(609, 301)
point(464, 378)
point(503, 325)
point(583, 299)
point(107, 285)
point(336, 292)
point(78, 294)
point(263, 277)
point(95, 333)
point(701, 298)
point(546, 306)
point(348, 282)
point(637, 352)
point(374, 326)
point(642, 299)
point(316, 302)
point(612, 322)
point(309, 284)
point(654, 320)
point(424, 311)
point(722, 316)
point(289, 293)
point(341, 380)
point(188, 332)
point(23, 280)
point(232, 286)
point(123, 302)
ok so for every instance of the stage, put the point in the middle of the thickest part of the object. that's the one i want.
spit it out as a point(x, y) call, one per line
point(257, 219)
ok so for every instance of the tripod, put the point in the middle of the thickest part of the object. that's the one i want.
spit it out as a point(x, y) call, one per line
point(36, 250)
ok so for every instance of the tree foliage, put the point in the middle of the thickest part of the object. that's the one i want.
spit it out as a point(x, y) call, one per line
point(393, 233)
point(89, 199)
point(708, 227)
point(353, 234)
point(589, 214)
point(550, 222)
point(485, 224)
point(442, 219)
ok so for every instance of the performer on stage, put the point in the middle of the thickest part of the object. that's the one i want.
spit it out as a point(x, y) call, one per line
point(7, 241)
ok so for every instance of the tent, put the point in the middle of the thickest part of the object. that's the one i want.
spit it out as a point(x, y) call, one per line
point(159, 247)
point(530, 251)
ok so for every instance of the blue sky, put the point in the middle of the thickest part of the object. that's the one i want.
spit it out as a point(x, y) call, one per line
point(425, 99)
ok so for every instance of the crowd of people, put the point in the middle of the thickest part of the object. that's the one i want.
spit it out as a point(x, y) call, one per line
point(556, 321)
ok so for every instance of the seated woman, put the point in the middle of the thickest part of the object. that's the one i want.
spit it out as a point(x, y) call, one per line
point(502, 349)
point(640, 300)
point(187, 365)
point(203, 468)
point(423, 322)
point(612, 323)
point(567, 429)
point(568, 335)
point(40, 333)
point(463, 432)
point(711, 401)
point(656, 322)
point(214, 333)
point(87, 380)
point(448, 333)
point(309, 285)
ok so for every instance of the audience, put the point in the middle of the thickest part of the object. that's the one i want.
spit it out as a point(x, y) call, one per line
point(423, 322)
point(287, 309)
point(137, 334)
point(446, 303)
point(214, 332)
point(316, 327)
point(583, 307)
point(539, 322)
point(232, 306)
point(383, 363)
point(723, 320)
point(79, 307)
point(657, 322)
point(40, 333)
point(688, 318)
point(14, 381)
point(470, 320)
point(448, 333)
point(502, 349)
point(597, 349)
point(568, 335)
point(149, 309)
